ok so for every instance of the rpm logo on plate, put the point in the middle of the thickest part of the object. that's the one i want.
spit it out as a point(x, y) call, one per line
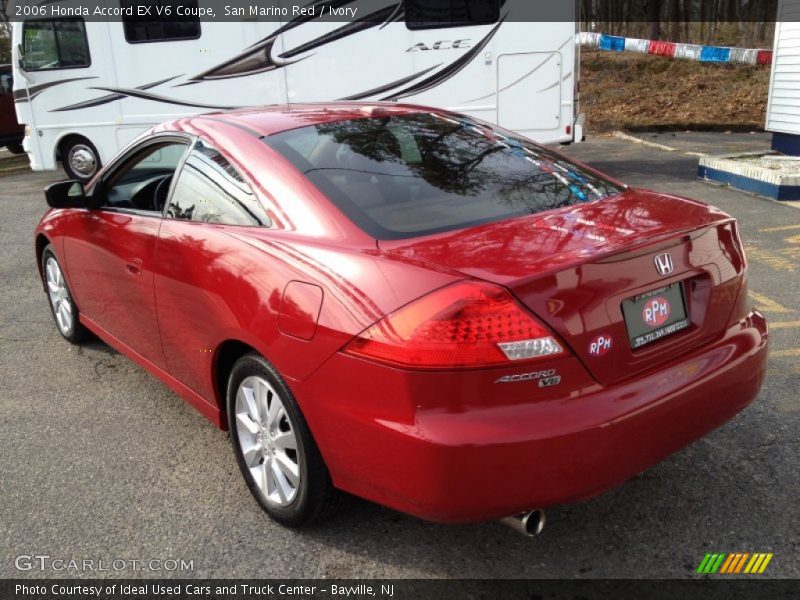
point(656, 312)
point(600, 345)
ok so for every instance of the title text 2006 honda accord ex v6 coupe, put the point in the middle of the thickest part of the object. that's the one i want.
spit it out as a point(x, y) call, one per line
point(408, 305)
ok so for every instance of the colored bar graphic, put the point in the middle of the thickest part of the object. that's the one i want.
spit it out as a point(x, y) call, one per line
point(735, 562)
point(741, 561)
point(703, 563)
point(727, 564)
point(765, 563)
point(711, 563)
point(718, 563)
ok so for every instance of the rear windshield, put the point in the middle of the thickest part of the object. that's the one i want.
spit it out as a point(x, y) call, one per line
point(415, 174)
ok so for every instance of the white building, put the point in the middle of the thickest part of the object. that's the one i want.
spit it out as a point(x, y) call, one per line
point(783, 109)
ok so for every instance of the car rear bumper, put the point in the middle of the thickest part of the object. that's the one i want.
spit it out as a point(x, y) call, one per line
point(483, 460)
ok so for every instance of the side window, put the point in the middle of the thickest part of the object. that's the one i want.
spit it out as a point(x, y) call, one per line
point(142, 182)
point(434, 14)
point(55, 44)
point(210, 190)
point(159, 24)
point(305, 142)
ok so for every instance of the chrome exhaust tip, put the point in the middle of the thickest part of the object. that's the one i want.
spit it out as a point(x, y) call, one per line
point(529, 523)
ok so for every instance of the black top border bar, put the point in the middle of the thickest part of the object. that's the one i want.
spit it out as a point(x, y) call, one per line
point(419, 14)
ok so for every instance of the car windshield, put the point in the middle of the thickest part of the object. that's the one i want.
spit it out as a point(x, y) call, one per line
point(414, 174)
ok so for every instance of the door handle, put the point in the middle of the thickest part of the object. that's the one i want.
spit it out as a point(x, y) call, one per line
point(134, 266)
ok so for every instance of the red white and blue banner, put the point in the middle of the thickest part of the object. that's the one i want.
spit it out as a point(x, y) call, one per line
point(718, 54)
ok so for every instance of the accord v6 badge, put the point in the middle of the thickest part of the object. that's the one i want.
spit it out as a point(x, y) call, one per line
point(546, 378)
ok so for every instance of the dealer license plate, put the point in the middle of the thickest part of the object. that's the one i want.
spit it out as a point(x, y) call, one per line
point(655, 315)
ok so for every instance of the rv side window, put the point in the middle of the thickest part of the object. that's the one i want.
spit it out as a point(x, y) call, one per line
point(156, 26)
point(435, 14)
point(55, 44)
point(209, 189)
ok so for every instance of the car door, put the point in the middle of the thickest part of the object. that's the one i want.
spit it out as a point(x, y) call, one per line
point(111, 252)
point(202, 267)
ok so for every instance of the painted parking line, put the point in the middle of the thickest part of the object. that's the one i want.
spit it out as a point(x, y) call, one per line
point(785, 353)
point(767, 304)
point(783, 324)
point(795, 239)
point(775, 261)
point(779, 228)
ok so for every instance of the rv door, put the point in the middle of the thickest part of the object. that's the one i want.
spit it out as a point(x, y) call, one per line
point(529, 91)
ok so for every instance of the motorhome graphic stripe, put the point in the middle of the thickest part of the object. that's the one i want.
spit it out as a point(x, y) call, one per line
point(297, 21)
point(157, 98)
point(255, 60)
point(258, 58)
point(362, 24)
point(390, 86)
point(398, 14)
point(35, 90)
point(110, 97)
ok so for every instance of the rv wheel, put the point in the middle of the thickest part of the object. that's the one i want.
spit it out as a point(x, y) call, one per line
point(15, 148)
point(79, 158)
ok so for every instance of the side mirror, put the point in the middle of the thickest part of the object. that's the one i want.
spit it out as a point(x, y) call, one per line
point(66, 194)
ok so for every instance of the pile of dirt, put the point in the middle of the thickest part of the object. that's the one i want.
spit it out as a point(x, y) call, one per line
point(639, 92)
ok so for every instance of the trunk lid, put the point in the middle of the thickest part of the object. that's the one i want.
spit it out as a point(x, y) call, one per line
point(574, 268)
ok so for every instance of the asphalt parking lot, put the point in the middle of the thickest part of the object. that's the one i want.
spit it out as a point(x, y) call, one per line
point(100, 461)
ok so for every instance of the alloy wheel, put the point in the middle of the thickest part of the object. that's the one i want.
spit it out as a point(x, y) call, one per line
point(267, 440)
point(59, 296)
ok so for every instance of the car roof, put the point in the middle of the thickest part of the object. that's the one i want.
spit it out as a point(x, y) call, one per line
point(267, 120)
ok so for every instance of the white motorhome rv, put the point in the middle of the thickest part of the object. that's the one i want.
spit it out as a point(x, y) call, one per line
point(85, 89)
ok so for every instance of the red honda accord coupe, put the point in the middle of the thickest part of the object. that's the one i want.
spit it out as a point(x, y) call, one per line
point(407, 304)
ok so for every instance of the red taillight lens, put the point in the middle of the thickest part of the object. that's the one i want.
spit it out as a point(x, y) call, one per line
point(466, 324)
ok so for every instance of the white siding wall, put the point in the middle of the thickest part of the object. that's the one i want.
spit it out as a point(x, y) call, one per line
point(783, 110)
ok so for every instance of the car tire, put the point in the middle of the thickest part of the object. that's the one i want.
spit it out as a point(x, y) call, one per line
point(274, 448)
point(62, 305)
point(15, 148)
point(79, 158)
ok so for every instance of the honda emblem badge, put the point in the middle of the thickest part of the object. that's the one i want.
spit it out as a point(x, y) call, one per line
point(664, 264)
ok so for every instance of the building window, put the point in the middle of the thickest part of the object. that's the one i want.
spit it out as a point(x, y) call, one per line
point(435, 14)
point(160, 24)
point(54, 44)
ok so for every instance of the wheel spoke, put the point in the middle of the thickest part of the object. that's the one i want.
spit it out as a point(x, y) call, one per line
point(257, 473)
point(245, 421)
point(64, 315)
point(278, 416)
point(282, 484)
point(288, 469)
point(51, 285)
point(267, 478)
point(51, 275)
point(252, 405)
point(252, 456)
point(261, 401)
point(285, 440)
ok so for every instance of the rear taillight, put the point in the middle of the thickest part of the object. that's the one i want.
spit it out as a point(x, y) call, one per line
point(466, 324)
